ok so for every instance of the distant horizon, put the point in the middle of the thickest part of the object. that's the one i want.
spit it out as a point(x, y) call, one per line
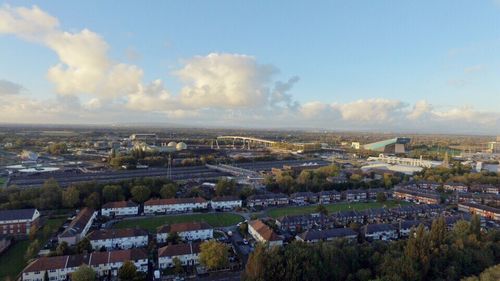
point(426, 66)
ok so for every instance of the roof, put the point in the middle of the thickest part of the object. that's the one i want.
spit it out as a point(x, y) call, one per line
point(20, 214)
point(116, 233)
point(265, 231)
point(303, 194)
point(173, 201)
point(182, 227)
point(78, 224)
point(327, 234)
point(372, 228)
point(328, 193)
point(225, 198)
point(179, 249)
point(119, 204)
point(267, 196)
point(481, 207)
point(95, 258)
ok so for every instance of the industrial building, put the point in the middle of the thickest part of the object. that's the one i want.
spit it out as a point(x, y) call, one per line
point(395, 145)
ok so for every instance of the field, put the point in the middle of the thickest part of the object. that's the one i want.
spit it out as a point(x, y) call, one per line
point(12, 261)
point(214, 219)
point(332, 208)
point(2, 181)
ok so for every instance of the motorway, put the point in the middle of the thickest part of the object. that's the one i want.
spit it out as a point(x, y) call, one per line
point(68, 178)
point(178, 173)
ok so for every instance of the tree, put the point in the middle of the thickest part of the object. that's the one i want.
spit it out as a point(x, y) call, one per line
point(50, 197)
point(177, 265)
point(140, 193)
point(84, 246)
point(322, 210)
point(475, 226)
point(71, 197)
point(46, 276)
point(84, 273)
point(381, 197)
point(62, 248)
point(93, 201)
point(225, 187)
point(32, 250)
point(214, 254)
point(174, 238)
point(169, 190)
point(112, 193)
point(128, 271)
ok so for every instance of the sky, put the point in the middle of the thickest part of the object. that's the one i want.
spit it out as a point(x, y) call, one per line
point(413, 66)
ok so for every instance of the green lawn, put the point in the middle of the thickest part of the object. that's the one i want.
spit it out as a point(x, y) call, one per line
point(12, 261)
point(214, 219)
point(332, 208)
point(2, 181)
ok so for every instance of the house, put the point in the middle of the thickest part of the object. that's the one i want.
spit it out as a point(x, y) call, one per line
point(375, 215)
point(355, 195)
point(174, 205)
point(455, 186)
point(483, 198)
point(263, 233)
point(301, 198)
point(120, 208)
point(18, 222)
point(481, 210)
point(431, 185)
point(225, 203)
point(187, 253)
point(187, 231)
point(381, 231)
point(303, 222)
point(485, 188)
point(78, 227)
point(267, 199)
point(59, 268)
point(125, 238)
point(372, 193)
point(346, 217)
point(406, 226)
point(419, 196)
point(314, 236)
point(328, 196)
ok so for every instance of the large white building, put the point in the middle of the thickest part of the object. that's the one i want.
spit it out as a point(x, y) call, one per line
point(225, 203)
point(126, 238)
point(120, 208)
point(188, 254)
point(104, 263)
point(174, 205)
point(79, 227)
point(187, 231)
point(263, 233)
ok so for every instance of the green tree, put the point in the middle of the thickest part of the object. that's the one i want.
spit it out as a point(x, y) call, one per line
point(169, 190)
point(93, 201)
point(32, 250)
point(174, 238)
point(177, 265)
point(84, 273)
point(140, 193)
point(381, 197)
point(112, 193)
point(62, 248)
point(225, 187)
point(128, 271)
point(50, 197)
point(322, 209)
point(475, 226)
point(214, 254)
point(71, 197)
point(84, 246)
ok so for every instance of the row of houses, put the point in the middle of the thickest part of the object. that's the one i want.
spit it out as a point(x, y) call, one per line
point(104, 264)
point(417, 195)
point(170, 205)
point(481, 210)
point(299, 223)
point(456, 187)
point(323, 197)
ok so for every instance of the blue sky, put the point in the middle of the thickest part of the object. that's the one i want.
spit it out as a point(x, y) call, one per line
point(446, 53)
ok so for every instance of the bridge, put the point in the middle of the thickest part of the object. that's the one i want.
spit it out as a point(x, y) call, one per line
point(247, 141)
point(235, 171)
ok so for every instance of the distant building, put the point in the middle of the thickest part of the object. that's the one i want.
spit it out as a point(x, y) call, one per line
point(303, 222)
point(329, 196)
point(79, 227)
point(455, 186)
point(225, 203)
point(187, 231)
point(59, 268)
point(395, 145)
point(264, 234)
point(381, 231)
point(303, 197)
point(417, 195)
point(268, 199)
point(147, 138)
point(481, 210)
point(120, 208)
point(355, 195)
point(18, 222)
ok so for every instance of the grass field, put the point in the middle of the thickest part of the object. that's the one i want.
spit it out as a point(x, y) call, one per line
point(12, 261)
point(214, 219)
point(332, 208)
point(2, 181)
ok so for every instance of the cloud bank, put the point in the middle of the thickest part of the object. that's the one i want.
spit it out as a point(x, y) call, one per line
point(219, 89)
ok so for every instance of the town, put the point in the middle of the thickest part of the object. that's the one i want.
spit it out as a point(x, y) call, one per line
point(156, 207)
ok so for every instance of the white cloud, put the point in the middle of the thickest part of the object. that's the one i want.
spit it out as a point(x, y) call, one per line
point(370, 110)
point(420, 109)
point(225, 81)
